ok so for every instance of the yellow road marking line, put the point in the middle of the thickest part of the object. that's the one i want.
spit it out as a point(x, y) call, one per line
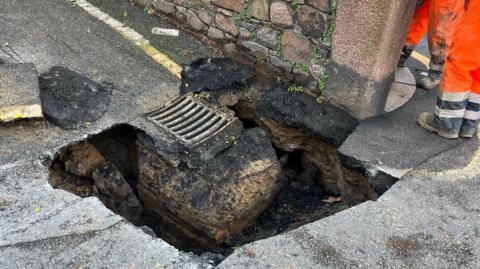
point(421, 58)
point(16, 112)
point(131, 36)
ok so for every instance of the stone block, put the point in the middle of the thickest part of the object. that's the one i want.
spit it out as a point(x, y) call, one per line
point(82, 159)
point(296, 48)
point(247, 25)
point(317, 70)
point(19, 92)
point(144, 3)
point(312, 21)
point(366, 46)
point(205, 17)
point(211, 190)
point(281, 64)
point(115, 191)
point(236, 5)
point(225, 12)
point(253, 48)
point(230, 50)
point(195, 22)
point(259, 9)
point(244, 33)
point(323, 5)
point(215, 34)
point(226, 24)
point(267, 37)
point(164, 7)
point(281, 14)
point(303, 78)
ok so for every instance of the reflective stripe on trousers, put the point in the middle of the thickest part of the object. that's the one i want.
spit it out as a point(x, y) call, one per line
point(460, 85)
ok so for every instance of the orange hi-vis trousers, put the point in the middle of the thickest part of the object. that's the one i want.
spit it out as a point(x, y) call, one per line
point(459, 97)
point(438, 18)
point(419, 25)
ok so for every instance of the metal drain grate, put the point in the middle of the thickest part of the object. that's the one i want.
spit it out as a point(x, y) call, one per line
point(190, 121)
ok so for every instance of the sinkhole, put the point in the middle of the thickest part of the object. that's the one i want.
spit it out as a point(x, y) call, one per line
point(211, 190)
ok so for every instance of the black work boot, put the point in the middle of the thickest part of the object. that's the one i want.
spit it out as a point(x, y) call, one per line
point(444, 127)
point(432, 80)
point(469, 128)
point(406, 53)
point(472, 116)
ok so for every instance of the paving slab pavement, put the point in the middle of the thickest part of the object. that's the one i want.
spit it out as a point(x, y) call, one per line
point(429, 219)
point(402, 89)
point(394, 143)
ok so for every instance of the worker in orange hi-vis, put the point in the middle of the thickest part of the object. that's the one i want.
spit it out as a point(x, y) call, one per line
point(438, 18)
point(458, 104)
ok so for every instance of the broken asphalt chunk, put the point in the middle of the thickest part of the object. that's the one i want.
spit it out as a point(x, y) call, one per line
point(303, 112)
point(70, 100)
point(215, 74)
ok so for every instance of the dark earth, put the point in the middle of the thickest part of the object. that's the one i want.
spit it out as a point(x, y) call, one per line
point(300, 201)
point(70, 100)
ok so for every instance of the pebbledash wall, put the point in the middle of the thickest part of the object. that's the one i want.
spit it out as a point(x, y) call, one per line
point(290, 37)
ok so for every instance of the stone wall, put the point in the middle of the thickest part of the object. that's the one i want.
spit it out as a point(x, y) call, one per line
point(289, 37)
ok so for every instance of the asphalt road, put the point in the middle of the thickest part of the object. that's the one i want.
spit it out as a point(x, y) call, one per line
point(56, 32)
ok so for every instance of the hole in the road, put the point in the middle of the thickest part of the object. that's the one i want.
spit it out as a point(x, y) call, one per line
point(107, 166)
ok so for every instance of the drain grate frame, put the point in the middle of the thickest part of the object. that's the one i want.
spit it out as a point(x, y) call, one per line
point(189, 120)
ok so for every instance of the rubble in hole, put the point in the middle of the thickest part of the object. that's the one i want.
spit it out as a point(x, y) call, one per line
point(220, 167)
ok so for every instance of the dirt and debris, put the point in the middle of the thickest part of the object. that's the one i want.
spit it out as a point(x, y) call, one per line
point(165, 31)
point(82, 159)
point(301, 200)
point(71, 100)
point(115, 191)
point(316, 134)
point(83, 170)
point(94, 168)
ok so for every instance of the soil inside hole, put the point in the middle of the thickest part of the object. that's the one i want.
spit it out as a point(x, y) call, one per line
point(106, 165)
point(300, 201)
